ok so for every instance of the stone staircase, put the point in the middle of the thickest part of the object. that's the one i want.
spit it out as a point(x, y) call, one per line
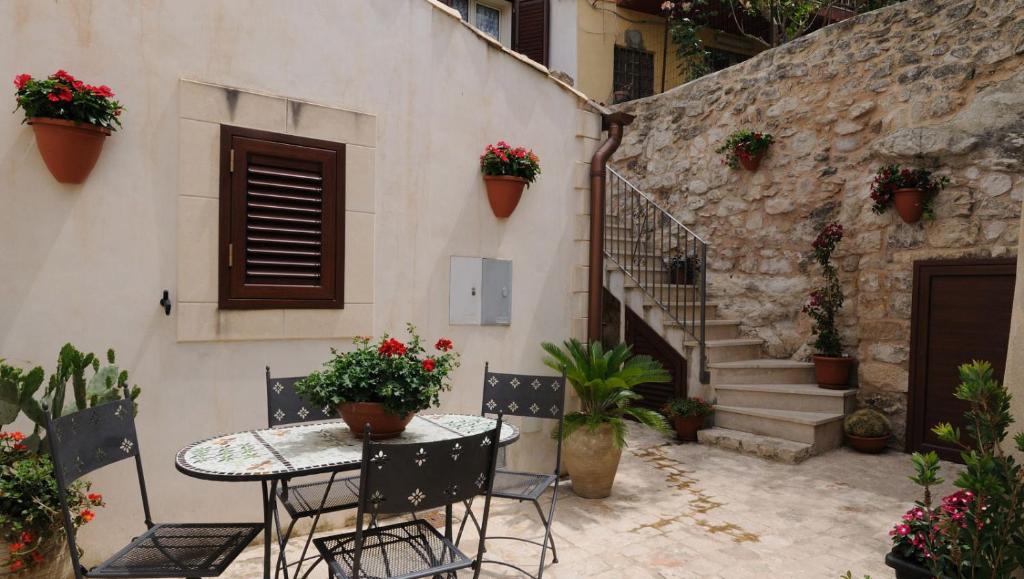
point(765, 407)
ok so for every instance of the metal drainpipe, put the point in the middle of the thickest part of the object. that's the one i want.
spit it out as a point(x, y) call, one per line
point(614, 124)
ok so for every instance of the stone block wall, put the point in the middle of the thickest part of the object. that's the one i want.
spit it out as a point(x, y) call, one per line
point(938, 83)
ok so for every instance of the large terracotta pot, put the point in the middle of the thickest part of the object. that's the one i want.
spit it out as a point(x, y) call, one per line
point(909, 204)
point(69, 149)
point(687, 427)
point(749, 161)
point(504, 191)
point(867, 444)
point(383, 424)
point(592, 460)
point(57, 564)
point(832, 373)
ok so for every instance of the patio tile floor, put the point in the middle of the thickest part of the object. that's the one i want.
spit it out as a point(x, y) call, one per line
point(691, 511)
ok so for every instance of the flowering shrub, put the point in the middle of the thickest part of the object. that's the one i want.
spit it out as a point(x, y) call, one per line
point(744, 144)
point(685, 407)
point(685, 19)
point(824, 303)
point(401, 376)
point(889, 178)
point(502, 159)
point(976, 531)
point(62, 96)
point(30, 517)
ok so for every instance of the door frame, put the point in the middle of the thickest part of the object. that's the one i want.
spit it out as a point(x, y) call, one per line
point(924, 270)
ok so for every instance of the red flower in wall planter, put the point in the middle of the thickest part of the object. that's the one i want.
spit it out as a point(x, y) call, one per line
point(745, 149)
point(911, 191)
point(507, 171)
point(71, 121)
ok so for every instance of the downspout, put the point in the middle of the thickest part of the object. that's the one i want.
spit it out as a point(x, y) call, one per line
point(614, 124)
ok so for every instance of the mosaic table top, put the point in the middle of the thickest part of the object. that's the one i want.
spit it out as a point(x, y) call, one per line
point(313, 448)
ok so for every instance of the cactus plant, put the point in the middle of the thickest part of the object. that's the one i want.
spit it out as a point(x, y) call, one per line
point(19, 389)
point(867, 423)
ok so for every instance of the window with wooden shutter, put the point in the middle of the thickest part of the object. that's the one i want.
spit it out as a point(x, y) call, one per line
point(530, 36)
point(282, 221)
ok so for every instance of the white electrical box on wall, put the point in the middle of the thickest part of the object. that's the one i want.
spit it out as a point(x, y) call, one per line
point(480, 292)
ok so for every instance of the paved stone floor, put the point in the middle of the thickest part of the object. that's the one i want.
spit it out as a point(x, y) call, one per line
point(691, 511)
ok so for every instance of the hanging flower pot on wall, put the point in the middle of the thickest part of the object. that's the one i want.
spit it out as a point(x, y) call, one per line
point(911, 191)
point(71, 121)
point(745, 149)
point(507, 171)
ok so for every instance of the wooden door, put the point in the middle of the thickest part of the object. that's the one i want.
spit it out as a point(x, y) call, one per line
point(647, 342)
point(961, 312)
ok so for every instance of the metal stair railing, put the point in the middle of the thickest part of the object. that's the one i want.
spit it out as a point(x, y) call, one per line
point(654, 248)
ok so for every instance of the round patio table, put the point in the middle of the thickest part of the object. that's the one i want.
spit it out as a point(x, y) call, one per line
point(270, 455)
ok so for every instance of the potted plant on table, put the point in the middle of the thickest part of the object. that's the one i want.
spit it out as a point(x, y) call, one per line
point(506, 171)
point(831, 366)
point(911, 191)
point(745, 148)
point(867, 430)
point(384, 383)
point(595, 434)
point(688, 416)
point(71, 121)
point(976, 531)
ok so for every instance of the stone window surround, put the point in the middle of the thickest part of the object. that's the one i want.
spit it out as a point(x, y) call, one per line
point(203, 108)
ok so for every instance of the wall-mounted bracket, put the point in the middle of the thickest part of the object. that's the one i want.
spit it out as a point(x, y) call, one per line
point(166, 302)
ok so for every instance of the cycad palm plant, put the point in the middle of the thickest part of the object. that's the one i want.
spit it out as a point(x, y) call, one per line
point(604, 382)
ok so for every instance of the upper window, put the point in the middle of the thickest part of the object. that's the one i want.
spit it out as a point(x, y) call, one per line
point(282, 221)
point(488, 20)
point(492, 17)
point(633, 73)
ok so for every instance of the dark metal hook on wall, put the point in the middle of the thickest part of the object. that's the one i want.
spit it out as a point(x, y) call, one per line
point(166, 302)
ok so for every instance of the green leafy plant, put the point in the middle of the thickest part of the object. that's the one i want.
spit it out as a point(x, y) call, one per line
point(978, 531)
point(503, 159)
point(20, 390)
point(824, 303)
point(868, 423)
point(685, 20)
point(685, 407)
point(744, 144)
point(889, 178)
point(604, 382)
point(400, 376)
point(62, 96)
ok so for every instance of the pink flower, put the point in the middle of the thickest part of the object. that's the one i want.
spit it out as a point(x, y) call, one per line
point(903, 530)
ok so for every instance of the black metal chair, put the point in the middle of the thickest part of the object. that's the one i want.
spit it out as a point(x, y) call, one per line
point(399, 478)
point(304, 500)
point(90, 439)
point(530, 396)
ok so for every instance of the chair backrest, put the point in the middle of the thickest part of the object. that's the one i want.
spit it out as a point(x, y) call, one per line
point(527, 395)
point(87, 440)
point(285, 406)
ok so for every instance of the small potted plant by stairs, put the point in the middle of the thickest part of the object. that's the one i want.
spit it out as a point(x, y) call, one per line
point(688, 415)
point(71, 121)
point(384, 383)
point(911, 191)
point(745, 149)
point(682, 269)
point(507, 170)
point(595, 434)
point(867, 430)
point(831, 366)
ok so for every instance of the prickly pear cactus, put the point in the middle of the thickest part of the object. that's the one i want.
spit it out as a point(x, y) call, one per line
point(867, 423)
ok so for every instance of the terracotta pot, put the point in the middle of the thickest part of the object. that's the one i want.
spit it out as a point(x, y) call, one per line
point(748, 161)
point(832, 373)
point(69, 149)
point(867, 444)
point(383, 424)
point(592, 460)
point(909, 204)
point(687, 427)
point(504, 191)
point(56, 566)
point(906, 569)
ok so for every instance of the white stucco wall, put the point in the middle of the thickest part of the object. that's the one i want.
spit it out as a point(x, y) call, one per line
point(87, 263)
point(564, 25)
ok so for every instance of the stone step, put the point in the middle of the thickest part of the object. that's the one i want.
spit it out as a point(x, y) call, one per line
point(686, 311)
point(713, 329)
point(762, 371)
point(730, 350)
point(798, 397)
point(656, 275)
point(823, 430)
point(766, 447)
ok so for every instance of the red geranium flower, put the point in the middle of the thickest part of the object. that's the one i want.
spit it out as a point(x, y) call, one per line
point(21, 80)
point(53, 97)
point(429, 364)
point(88, 515)
point(95, 498)
point(15, 547)
point(26, 537)
point(391, 347)
point(17, 566)
point(103, 91)
point(37, 557)
point(64, 76)
point(443, 344)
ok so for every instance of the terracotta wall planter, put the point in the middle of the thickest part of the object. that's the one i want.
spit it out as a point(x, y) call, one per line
point(592, 460)
point(867, 444)
point(383, 424)
point(503, 192)
point(687, 427)
point(909, 203)
point(748, 161)
point(69, 149)
point(832, 373)
point(56, 566)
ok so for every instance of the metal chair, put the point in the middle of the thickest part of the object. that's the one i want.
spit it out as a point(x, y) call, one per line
point(305, 500)
point(534, 397)
point(399, 478)
point(90, 439)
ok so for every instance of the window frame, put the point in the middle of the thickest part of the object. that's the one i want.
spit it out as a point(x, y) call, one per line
point(232, 293)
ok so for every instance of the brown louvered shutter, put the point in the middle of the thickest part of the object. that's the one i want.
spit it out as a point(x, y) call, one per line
point(282, 221)
point(530, 32)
